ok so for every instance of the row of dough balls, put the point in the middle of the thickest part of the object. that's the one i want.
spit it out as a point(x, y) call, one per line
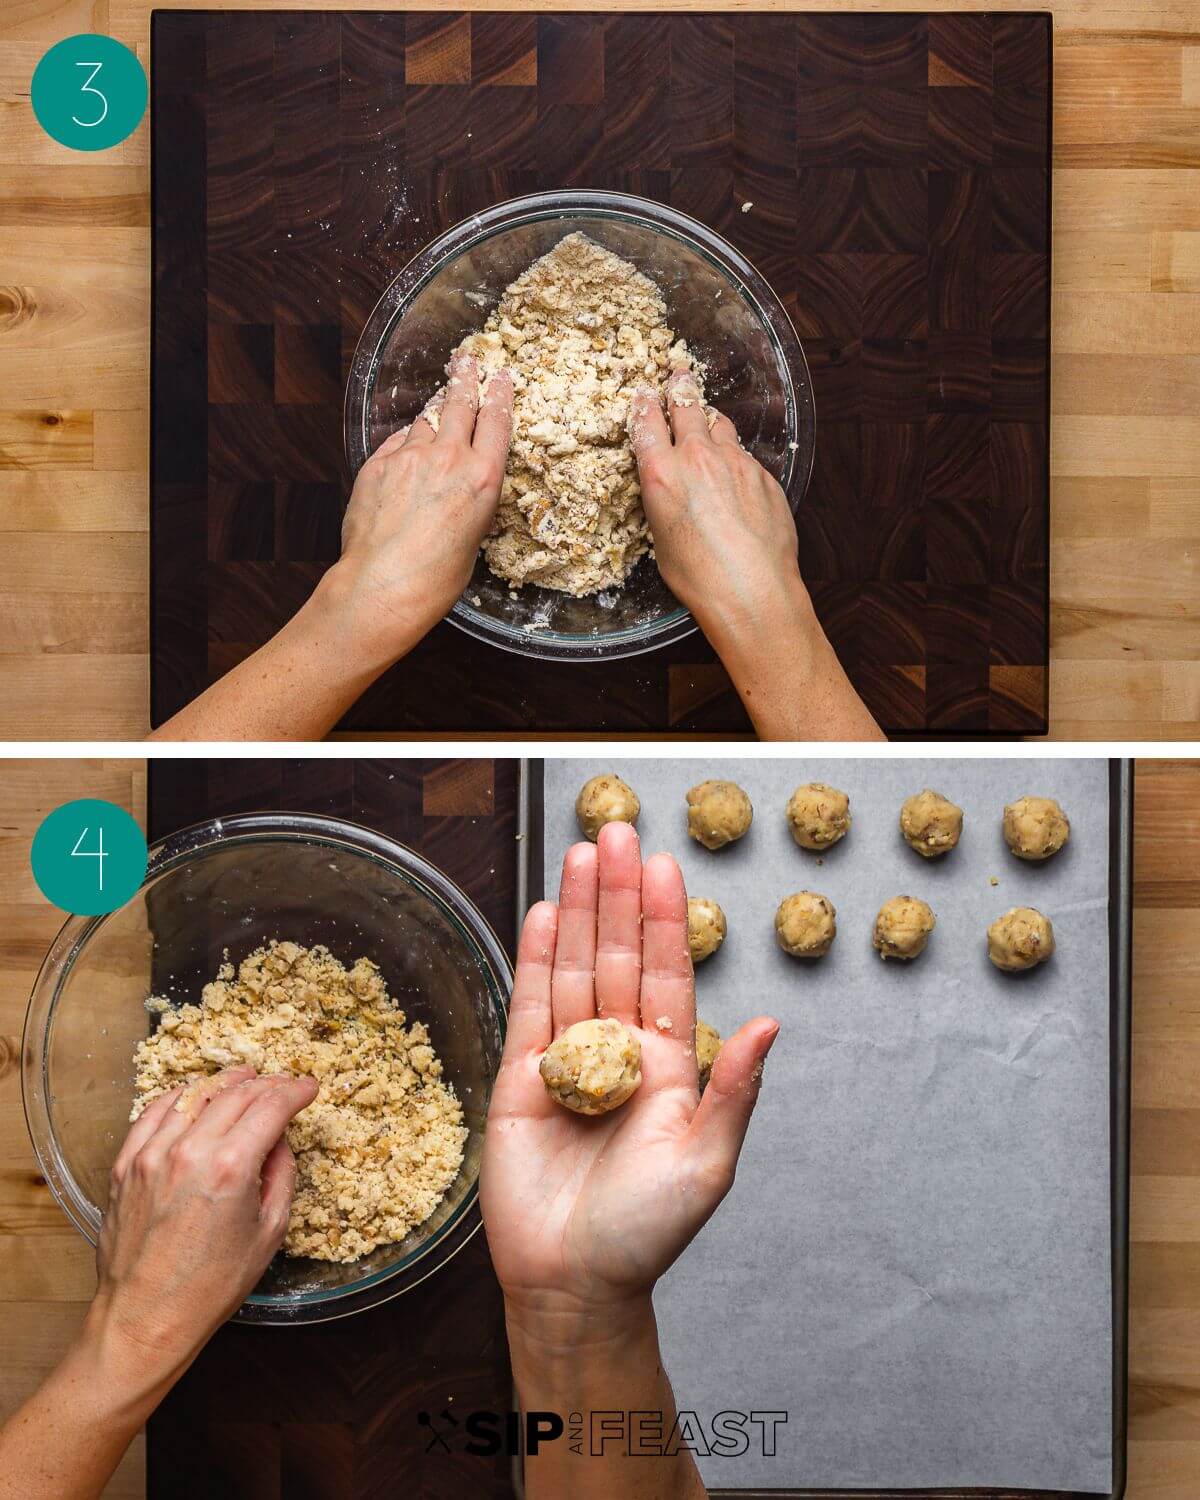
point(595, 1065)
point(806, 925)
point(720, 813)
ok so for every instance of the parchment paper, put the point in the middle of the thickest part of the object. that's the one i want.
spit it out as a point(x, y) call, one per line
point(914, 1261)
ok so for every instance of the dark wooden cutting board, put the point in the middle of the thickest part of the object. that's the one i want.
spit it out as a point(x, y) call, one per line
point(332, 1409)
point(898, 172)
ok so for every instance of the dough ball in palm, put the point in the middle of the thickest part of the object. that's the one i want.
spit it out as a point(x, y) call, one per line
point(1021, 939)
point(806, 924)
point(903, 926)
point(1035, 827)
point(594, 1066)
point(931, 824)
point(818, 815)
point(605, 799)
point(706, 928)
point(719, 813)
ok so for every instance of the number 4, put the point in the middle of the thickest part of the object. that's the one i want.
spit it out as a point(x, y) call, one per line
point(88, 89)
point(97, 854)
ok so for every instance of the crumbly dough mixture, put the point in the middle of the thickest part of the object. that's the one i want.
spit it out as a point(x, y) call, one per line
point(581, 330)
point(383, 1140)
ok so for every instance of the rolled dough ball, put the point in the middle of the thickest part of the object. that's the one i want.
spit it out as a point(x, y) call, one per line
point(818, 815)
point(1020, 939)
point(903, 926)
point(593, 1067)
point(605, 799)
point(706, 928)
point(708, 1046)
point(806, 924)
point(719, 813)
point(1035, 827)
point(931, 824)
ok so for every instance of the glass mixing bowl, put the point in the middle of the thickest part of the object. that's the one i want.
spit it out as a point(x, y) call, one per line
point(731, 319)
point(234, 884)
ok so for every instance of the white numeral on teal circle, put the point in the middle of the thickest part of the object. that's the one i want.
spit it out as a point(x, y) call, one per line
point(85, 114)
point(60, 854)
point(88, 89)
point(97, 854)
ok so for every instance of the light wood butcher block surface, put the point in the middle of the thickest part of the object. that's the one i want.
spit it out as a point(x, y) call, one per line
point(46, 1273)
point(46, 1268)
point(1125, 449)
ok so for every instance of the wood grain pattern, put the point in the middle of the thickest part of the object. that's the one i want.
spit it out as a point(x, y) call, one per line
point(1122, 188)
point(921, 214)
point(47, 1273)
point(353, 1430)
point(441, 1345)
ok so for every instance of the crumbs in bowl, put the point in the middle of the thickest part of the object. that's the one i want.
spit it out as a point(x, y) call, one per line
point(380, 1145)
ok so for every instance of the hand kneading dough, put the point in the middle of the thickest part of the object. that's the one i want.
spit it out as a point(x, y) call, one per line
point(1020, 939)
point(931, 824)
point(605, 799)
point(1035, 827)
point(818, 815)
point(806, 925)
point(593, 1067)
point(708, 1047)
point(706, 928)
point(903, 926)
point(718, 813)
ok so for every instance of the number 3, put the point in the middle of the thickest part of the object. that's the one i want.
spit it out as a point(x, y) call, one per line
point(88, 89)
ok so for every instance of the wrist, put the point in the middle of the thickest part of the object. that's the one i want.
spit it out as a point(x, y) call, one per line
point(743, 623)
point(598, 1366)
point(359, 636)
point(550, 1325)
point(129, 1376)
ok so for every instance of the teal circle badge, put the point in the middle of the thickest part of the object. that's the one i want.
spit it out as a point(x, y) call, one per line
point(89, 92)
point(88, 857)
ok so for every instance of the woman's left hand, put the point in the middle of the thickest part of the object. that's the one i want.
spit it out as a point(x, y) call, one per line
point(589, 1212)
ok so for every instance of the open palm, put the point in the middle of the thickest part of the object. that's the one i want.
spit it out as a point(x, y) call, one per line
point(598, 1207)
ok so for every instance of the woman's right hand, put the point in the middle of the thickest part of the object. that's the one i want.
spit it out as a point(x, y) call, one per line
point(714, 511)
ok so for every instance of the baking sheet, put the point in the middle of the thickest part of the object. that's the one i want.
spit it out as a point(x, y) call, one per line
point(915, 1260)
